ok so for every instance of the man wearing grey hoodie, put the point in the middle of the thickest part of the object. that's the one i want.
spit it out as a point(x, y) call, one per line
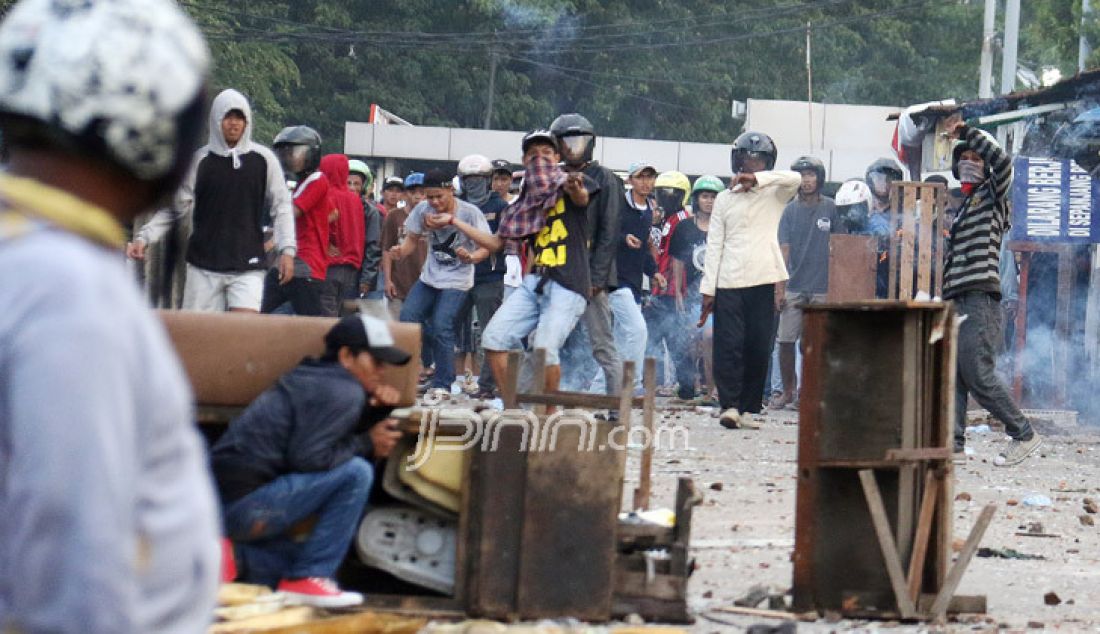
point(234, 187)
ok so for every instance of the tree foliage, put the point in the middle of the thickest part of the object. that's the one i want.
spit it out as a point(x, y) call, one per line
point(667, 69)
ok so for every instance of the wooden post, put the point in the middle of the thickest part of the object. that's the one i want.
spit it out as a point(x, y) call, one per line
point(928, 209)
point(649, 379)
point(1063, 328)
point(908, 233)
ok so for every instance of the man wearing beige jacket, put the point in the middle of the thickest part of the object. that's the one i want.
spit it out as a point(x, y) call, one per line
point(743, 264)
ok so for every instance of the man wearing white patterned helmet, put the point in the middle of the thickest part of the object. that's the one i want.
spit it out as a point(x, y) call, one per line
point(107, 514)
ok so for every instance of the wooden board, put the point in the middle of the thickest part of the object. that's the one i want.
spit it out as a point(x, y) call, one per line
point(230, 358)
point(852, 267)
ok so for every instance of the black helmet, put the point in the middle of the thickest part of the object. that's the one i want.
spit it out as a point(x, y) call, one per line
point(753, 144)
point(541, 134)
point(887, 166)
point(806, 163)
point(576, 138)
point(298, 149)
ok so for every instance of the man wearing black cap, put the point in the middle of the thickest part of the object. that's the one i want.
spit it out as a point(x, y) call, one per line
point(438, 296)
point(502, 179)
point(298, 451)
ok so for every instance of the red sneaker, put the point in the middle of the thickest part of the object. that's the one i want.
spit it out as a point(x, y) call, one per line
point(229, 564)
point(318, 592)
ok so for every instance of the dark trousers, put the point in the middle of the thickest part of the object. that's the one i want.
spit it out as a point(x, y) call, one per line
point(342, 283)
point(978, 343)
point(744, 327)
point(303, 293)
point(486, 297)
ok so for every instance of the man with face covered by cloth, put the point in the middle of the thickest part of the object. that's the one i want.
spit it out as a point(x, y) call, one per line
point(476, 172)
point(971, 279)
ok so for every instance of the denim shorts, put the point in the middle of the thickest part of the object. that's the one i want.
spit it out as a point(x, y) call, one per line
point(551, 314)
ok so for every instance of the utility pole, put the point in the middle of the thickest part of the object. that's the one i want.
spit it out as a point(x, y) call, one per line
point(492, 82)
point(985, 81)
point(810, 83)
point(1012, 39)
point(1083, 48)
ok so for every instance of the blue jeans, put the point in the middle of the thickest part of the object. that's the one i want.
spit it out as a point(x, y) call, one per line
point(551, 314)
point(258, 523)
point(437, 310)
point(631, 333)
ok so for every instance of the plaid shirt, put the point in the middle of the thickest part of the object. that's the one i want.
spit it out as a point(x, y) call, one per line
point(542, 187)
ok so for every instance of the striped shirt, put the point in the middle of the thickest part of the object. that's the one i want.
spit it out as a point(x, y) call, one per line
point(974, 248)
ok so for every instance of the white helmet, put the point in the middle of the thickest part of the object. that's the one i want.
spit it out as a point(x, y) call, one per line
point(122, 80)
point(853, 192)
point(475, 165)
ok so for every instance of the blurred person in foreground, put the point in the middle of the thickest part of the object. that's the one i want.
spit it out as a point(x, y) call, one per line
point(107, 514)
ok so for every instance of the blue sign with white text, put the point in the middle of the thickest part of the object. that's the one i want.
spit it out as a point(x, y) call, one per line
point(1054, 200)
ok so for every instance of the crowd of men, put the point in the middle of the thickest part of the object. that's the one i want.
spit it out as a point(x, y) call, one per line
point(592, 267)
point(109, 520)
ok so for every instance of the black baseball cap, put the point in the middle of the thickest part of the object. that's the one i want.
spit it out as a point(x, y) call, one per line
point(394, 181)
point(437, 177)
point(363, 332)
point(502, 165)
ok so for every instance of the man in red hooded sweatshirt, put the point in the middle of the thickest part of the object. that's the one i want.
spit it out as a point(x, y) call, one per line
point(346, 241)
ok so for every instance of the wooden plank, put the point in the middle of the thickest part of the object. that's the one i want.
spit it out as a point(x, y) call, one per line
point(886, 542)
point(960, 604)
point(928, 210)
point(649, 379)
point(538, 379)
point(940, 230)
point(893, 255)
point(626, 393)
point(686, 500)
point(637, 584)
point(945, 434)
point(908, 236)
point(939, 607)
point(806, 531)
point(852, 262)
point(924, 532)
point(917, 455)
point(510, 386)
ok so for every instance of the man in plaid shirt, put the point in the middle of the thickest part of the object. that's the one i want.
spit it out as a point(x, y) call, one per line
point(551, 213)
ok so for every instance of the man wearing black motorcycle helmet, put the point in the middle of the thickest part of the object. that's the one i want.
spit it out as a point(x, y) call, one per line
point(577, 140)
point(743, 264)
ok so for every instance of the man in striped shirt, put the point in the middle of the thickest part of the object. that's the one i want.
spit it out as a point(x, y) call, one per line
point(972, 280)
